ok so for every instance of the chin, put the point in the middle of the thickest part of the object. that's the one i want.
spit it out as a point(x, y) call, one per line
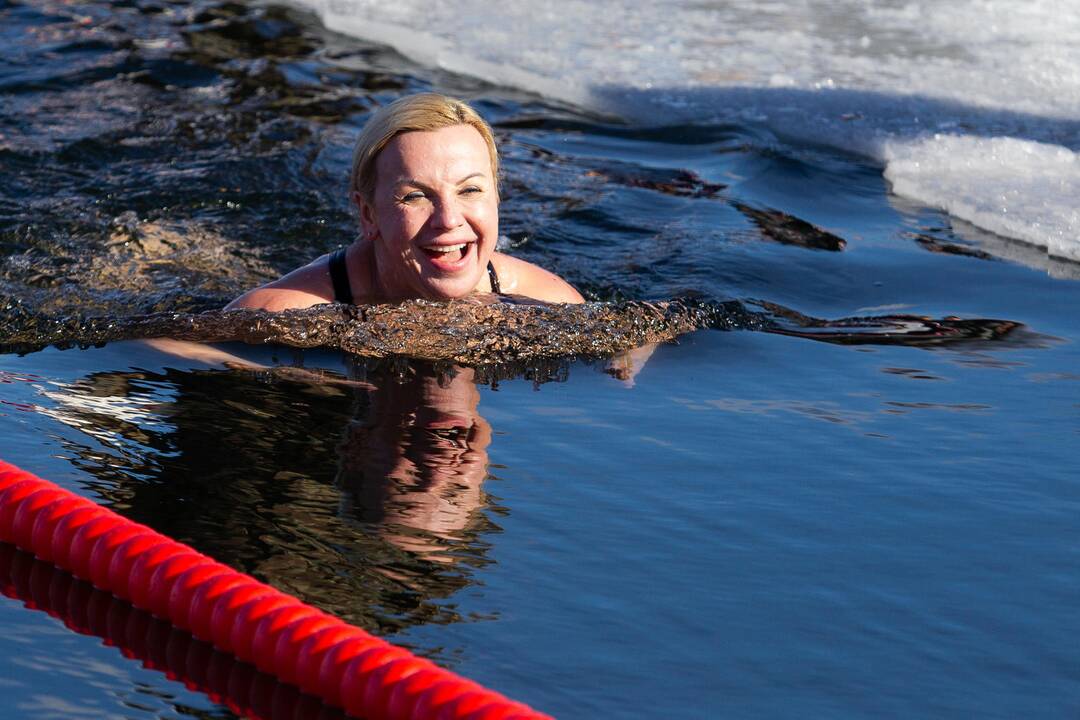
point(450, 289)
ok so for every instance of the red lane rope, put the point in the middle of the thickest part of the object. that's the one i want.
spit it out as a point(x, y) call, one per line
point(156, 643)
point(278, 634)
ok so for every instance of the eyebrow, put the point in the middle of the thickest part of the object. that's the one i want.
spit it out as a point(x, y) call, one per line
point(416, 183)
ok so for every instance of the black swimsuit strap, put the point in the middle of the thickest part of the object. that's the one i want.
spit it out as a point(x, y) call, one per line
point(339, 276)
point(494, 277)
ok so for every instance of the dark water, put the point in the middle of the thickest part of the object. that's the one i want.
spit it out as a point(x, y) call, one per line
point(758, 525)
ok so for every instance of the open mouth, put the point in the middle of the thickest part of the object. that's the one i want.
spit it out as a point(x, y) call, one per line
point(448, 256)
point(455, 436)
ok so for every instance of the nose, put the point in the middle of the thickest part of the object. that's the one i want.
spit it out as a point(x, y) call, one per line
point(447, 213)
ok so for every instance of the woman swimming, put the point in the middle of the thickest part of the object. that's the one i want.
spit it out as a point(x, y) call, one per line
point(425, 181)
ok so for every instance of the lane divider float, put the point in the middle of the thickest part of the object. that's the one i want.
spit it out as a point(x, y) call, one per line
point(156, 643)
point(280, 635)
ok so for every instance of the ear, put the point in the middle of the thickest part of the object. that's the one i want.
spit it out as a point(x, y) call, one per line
point(367, 217)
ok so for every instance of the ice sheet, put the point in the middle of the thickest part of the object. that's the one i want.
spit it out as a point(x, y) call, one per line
point(972, 106)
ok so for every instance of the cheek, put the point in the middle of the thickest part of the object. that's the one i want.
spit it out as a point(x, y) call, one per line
point(487, 215)
point(399, 224)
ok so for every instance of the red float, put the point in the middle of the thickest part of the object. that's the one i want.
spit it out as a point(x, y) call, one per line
point(338, 663)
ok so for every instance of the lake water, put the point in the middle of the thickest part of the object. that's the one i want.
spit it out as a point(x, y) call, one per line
point(755, 525)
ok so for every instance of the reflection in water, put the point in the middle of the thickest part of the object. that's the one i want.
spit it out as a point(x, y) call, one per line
point(363, 498)
point(413, 462)
point(241, 687)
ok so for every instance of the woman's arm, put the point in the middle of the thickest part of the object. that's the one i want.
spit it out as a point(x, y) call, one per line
point(303, 287)
point(626, 365)
point(202, 353)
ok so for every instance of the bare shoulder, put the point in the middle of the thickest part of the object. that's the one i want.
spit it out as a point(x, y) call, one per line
point(306, 286)
point(519, 277)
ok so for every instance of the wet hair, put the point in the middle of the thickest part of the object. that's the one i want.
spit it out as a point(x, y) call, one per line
point(423, 112)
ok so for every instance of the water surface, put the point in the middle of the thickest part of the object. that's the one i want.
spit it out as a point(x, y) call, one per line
point(755, 525)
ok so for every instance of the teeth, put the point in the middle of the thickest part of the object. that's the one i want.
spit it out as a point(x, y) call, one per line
point(446, 248)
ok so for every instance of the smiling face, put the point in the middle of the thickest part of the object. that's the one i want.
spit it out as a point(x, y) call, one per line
point(433, 219)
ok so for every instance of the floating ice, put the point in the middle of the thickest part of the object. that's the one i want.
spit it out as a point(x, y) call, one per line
point(972, 106)
point(1017, 188)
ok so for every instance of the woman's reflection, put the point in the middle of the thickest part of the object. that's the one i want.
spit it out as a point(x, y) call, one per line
point(414, 459)
point(364, 498)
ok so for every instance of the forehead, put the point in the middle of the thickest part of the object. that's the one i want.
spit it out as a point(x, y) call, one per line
point(448, 154)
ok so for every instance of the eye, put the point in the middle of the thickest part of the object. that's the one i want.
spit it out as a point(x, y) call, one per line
point(471, 190)
point(412, 196)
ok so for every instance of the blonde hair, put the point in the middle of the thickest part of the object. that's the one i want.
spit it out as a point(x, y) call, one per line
point(423, 112)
